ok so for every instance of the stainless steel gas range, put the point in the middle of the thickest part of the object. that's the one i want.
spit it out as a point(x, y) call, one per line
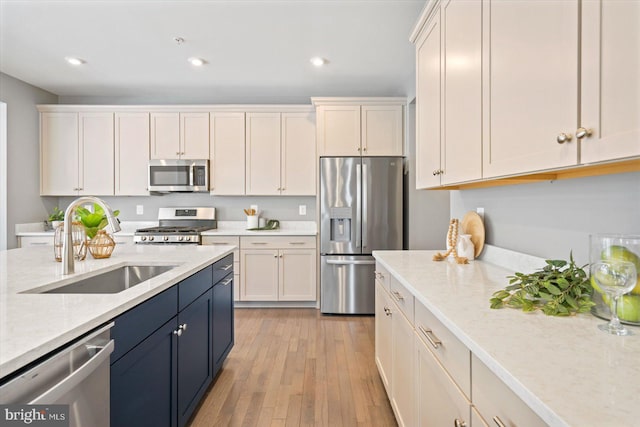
point(178, 226)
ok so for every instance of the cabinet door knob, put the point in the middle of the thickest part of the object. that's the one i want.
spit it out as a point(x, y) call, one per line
point(563, 137)
point(387, 311)
point(365, 148)
point(177, 153)
point(178, 332)
point(582, 132)
point(459, 423)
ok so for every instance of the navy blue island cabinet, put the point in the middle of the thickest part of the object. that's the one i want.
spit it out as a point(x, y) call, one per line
point(169, 348)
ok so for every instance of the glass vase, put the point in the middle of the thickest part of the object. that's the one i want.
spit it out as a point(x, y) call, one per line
point(78, 238)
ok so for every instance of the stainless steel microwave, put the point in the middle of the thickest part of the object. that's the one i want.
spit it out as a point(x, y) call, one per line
point(176, 175)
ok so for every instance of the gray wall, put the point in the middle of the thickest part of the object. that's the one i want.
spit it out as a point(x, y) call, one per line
point(24, 203)
point(426, 211)
point(549, 219)
point(227, 208)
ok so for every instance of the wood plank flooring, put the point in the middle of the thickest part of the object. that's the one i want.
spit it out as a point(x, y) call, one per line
point(296, 367)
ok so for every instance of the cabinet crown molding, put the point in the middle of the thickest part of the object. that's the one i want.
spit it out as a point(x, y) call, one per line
point(386, 100)
point(424, 17)
point(213, 108)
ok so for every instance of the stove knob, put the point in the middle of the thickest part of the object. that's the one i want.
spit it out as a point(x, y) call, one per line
point(165, 238)
point(180, 238)
point(150, 238)
point(144, 238)
point(188, 238)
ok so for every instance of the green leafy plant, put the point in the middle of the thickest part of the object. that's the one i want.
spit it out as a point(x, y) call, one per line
point(93, 221)
point(56, 215)
point(561, 288)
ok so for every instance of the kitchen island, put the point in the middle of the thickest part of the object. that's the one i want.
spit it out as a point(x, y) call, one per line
point(567, 371)
point(34, 324)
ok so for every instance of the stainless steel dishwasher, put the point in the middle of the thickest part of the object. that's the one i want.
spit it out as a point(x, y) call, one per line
point(77, 375)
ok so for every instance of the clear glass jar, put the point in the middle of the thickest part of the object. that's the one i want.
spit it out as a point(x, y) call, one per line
point(78, 237)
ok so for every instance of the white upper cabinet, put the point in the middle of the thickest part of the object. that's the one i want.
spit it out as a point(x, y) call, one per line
point(298, 154)
point(449, 93)
point(59, 154)
point(263, 154)
point(227, 153)
point(131, 154)
point(530, 85)
point(382, 130)
point(280, 153)
point(180, 135)
point(610, 107)
point(76, 153)
point(360, 126)
point(461, 139)
point(96, 147)
point(339, 130)
point(428, 81)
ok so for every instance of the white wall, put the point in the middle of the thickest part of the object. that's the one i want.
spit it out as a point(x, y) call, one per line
point(550, 219)
point(24, 203)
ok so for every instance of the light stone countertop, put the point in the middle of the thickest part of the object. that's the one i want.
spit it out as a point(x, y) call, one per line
point(287, 228)
point(32, 325)
point(567, 370)
point(225, 228)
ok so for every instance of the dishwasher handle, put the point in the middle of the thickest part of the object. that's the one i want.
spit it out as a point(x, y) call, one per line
point(76, 377)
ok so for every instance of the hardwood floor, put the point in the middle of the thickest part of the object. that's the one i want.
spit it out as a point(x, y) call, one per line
point(296, 367)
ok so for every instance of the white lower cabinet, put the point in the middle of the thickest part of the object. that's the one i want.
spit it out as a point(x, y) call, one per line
point(496, 403)
point(402, 395)
point(432, 379)
point(383, 333)
point(439, 401)
point(279, 268)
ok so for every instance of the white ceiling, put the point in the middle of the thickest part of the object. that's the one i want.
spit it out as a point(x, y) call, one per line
point(255, 50)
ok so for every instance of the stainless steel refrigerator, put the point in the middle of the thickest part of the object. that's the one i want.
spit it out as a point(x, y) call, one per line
point(360, 211)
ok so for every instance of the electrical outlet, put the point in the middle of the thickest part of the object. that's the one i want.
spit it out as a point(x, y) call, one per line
point(254, 207)
point(139, 209)
point(480, 212)
point(302, 209)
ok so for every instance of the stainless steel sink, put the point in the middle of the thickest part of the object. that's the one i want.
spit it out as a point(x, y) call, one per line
point(113, 281)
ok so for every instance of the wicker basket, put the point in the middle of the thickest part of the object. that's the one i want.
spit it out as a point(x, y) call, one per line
point(102, 245)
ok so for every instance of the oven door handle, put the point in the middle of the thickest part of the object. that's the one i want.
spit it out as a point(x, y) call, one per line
point(192, 172)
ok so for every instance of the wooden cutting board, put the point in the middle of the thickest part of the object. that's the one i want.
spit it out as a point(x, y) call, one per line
point(472, 224)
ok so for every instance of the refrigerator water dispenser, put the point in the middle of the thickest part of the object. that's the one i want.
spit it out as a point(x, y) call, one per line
point(340, 224)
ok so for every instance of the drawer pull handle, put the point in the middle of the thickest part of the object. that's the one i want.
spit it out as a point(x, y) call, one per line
point(226, 267)
point(219, 243)
point(433, 340)
point(39, 243)
point(387, 311)
point(296, 243)
point(498, 421)
point(258, 243)
point(226, 282)
point(398, 295)
point(459, 423)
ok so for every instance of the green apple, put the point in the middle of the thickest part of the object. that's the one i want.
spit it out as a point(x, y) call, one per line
point(620, 253)
point(629, 308)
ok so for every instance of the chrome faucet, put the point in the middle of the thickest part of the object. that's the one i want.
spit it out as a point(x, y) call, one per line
point(67, 244)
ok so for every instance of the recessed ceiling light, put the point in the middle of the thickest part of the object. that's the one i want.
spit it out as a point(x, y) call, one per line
point(196, 62)
point(75, 61)
point(318, 62)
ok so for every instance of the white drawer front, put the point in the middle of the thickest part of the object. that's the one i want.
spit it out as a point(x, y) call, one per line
point(383, 276)
point(403, 298)
point(496, 402)
point(452, 353)
point(35, 241)
point(277, 242)
point(225, 240)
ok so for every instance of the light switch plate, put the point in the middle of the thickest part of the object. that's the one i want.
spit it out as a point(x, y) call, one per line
point(139, 209)
point(255, 208)
point(480, 212)
point(302, 209)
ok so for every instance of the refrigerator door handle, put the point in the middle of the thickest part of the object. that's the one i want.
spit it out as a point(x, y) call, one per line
point(358, 222)
point(335, 262)
point(365, 215)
